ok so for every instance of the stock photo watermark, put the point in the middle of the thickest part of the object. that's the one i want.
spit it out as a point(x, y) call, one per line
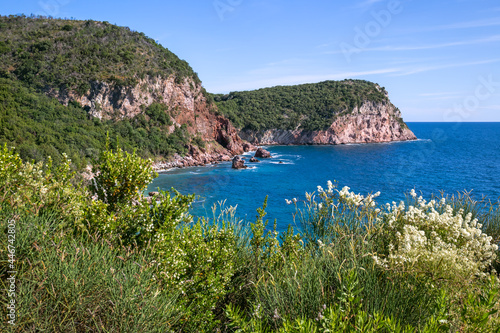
point(52, 7)
point(364, 36)
point(222, 7)
point(11, 272)
point(486, 88)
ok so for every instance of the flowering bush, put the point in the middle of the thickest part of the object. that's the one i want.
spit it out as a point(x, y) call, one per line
point(433, 238)
point(39, 187)
point(193, 260)
point(429, 237)
point(330, 213)
point(120, 176)
point(196, 260)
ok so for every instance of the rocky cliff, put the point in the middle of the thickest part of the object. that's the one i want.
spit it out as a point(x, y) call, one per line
point(186, 103)
point(329, 112)
point(370, 123)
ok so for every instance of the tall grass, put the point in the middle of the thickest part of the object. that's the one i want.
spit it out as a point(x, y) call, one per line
point(84, 284)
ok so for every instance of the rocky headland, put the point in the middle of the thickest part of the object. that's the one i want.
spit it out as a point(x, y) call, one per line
point(371, 123)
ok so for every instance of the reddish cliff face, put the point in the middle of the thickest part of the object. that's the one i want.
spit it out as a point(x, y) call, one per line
point(372, 122)
point(187, 105)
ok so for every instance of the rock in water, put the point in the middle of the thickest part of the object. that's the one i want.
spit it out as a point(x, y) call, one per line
point(262, 153)
point(253, 159)
point(238, 163)
point(248, 147)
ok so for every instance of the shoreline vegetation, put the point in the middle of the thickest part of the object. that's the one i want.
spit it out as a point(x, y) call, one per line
point(99, 256)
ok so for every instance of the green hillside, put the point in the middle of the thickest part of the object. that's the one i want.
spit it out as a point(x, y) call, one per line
point(70, 53)
point(37, 54)
point(313, 106)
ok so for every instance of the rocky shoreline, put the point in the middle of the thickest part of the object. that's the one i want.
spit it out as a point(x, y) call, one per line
point(204, 159)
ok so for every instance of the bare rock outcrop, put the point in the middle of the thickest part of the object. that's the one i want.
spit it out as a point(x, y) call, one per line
point(187, 105)
point(262, 153)
point(238, 163)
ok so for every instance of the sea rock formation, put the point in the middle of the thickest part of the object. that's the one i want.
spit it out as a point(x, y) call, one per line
point(372, 122)
point(262, 153)
point(254, 160)
point(238, 163)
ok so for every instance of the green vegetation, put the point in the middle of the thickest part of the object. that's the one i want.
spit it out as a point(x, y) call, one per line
point(39, 126)
point(307, 106)
point(99, 256)
point(68, 54)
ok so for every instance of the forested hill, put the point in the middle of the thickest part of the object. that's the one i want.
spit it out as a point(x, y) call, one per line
point(307, 106)
point(65, 84)
point(68, 54)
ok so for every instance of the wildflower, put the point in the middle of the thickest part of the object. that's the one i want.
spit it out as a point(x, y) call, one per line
point(276, 315)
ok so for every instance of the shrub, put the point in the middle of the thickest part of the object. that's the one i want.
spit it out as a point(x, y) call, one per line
point(429, 237)
point(120, 177)
point(39, 187)
point(68, 284)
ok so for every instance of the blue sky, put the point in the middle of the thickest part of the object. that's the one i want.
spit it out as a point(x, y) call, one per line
point(439, 60)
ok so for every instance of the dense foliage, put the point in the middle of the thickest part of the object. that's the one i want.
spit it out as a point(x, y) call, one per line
point(99, 256)
point(305, 106)
point(68, 54)
point(39, 126)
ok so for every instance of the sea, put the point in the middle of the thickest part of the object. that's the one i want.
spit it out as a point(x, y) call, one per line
point(447, 158)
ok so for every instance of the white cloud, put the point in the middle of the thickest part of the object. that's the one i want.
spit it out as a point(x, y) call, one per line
point(294, 79)
point(464, 25)
point(490, 107)
point(441, 96)
point(367, 3)
point(389, 48)
point(416, 70)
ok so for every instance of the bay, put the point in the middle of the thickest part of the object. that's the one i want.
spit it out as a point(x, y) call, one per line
point(449, 157)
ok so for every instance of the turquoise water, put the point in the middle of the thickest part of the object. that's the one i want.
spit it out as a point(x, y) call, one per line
point(447, 157)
